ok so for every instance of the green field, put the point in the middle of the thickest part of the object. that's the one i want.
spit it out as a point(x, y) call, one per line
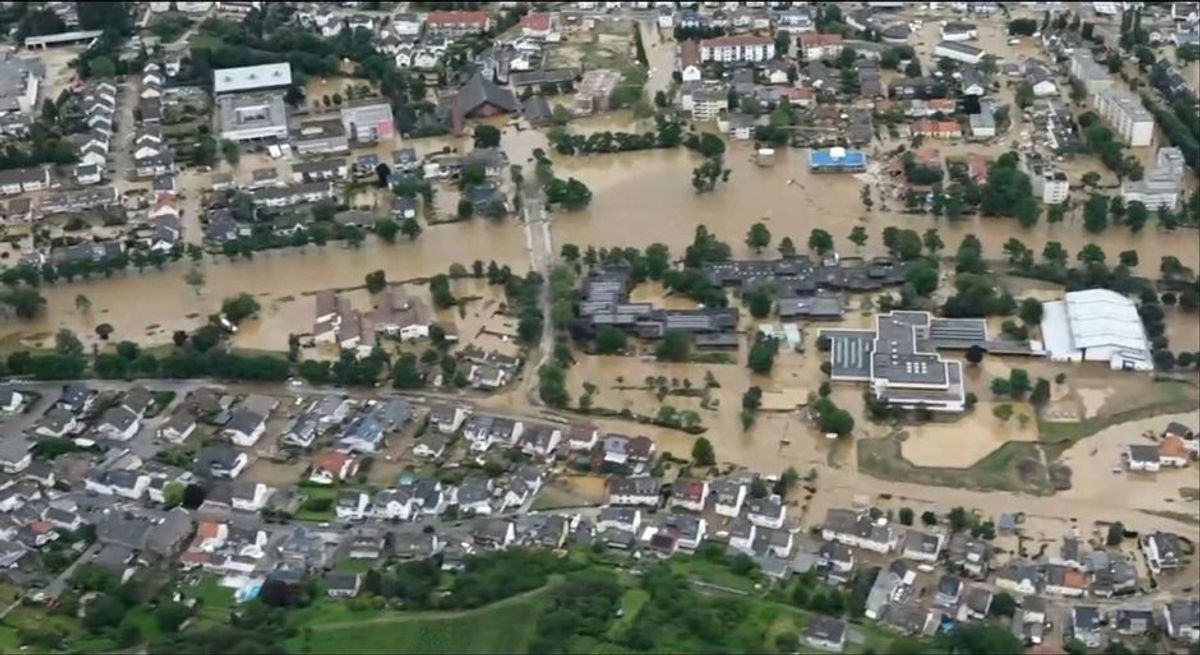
point(504, 627)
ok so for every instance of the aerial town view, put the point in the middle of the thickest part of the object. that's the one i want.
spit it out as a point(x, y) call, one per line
point(599, 327)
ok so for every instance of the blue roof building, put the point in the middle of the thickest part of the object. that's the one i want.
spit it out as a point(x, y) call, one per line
point(837, 160)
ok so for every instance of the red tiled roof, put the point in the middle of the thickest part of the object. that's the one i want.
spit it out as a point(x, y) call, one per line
point(814, 39)
point(689, 53)
point(331, 460)
point(536, 21)
point(208, 530)
point(456, 17)
point(1172, 447)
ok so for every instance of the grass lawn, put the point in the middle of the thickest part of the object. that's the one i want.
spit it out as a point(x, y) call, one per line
point(317, 492)
point(355, 565)
point(631, 603)
point(714, 573)
point(1165, 398)
point(10, 641)
point(215, 601)
point(504, 627)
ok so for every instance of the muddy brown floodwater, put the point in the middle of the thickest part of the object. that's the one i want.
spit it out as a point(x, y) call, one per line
point(639, 198)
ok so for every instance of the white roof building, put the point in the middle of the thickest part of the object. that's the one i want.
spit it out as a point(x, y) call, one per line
point(1096, 325)
point(248, 78)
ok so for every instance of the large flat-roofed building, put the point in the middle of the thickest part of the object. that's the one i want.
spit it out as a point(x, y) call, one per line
point(369, 120)
point(899, 359)
point(1095, 77)
point(252, 117)
point(1130, 120)
point(1160, 186)
point(320, 137)
point(1096, 325)
point(958, 52)
point(252, 78)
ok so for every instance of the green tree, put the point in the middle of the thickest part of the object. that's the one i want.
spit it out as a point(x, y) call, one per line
point(406, 374)
point(674, 347)
point(376, 281)
point(702, 452)
point(411, 229)
point(933, 241)
point(820, 241)
point(759, 237)
point(858, 236)
point(387, 229)
point(609, 340)
point(487, 136)
point(1031, 311)
point(240, 307)
point(231, 151)
point(762, 356)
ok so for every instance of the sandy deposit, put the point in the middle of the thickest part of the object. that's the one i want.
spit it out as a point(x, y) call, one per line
point(970, 439)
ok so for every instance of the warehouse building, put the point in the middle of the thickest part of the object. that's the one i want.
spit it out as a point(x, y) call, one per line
point(1096, 325)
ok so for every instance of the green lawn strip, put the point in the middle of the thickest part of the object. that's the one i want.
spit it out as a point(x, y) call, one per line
point(506, 626)
point(215, 601)
point(355, 565)
point(10, 640)
point(715, 573)
point(631, 603)
point(1168, 398)
point(882, 458)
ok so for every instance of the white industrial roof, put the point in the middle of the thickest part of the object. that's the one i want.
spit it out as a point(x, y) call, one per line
point(265, 76)
point(1095, 318)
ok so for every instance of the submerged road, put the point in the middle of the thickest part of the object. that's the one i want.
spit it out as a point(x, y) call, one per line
point(539, 244)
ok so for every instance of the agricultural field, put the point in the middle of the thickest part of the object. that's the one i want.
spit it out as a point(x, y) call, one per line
point(504, 627)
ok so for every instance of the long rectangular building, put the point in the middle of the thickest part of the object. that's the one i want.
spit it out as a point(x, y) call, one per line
point(898, 361)
point(1129, 119)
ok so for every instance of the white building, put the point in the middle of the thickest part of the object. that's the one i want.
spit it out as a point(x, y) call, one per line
point(1160, 186)
point(1129, 119)
point(739, 47)
point(958, 52)
point(252, 117)
point(1050, 184)
point(1095, 77)
point(252, 78)
point(1096, 325)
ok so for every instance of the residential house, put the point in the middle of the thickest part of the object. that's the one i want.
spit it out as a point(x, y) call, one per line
point(351, 506)
point(248, 496)
point(923, 546)
point(484, 431)
point(1181, 618)
point(1064, 581)
point(948, 592)
point(690, 494)
point(889, 585)
point(766, 512)
point(1162, 550)
point(494, 533)
point(430, 446)
point(728, 497)
point(825, 632)
point(330, 466)
point(475, 496)
point(1018, 579)
point(220, 462)
point(342, 584)
point(447, 418)
point(245, 427)
point(394, 504)
point(626, 519)
point(1087, 625)
point(837, 560)
point(640, 490)
point(856, 529)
